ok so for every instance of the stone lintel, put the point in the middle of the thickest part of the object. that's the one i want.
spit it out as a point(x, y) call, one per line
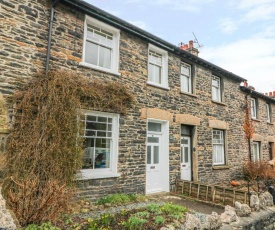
point(155, 113)
point(270, 139)
point(257, 137)
point(187, 119)
point(4, 131)
point(217, 124)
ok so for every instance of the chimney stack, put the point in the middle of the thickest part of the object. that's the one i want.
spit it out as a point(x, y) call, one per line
point(189, 48)
point(270, 94)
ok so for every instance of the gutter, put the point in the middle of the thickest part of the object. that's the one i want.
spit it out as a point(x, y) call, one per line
point(50, 36)
point(119, 23)
point(256, 94)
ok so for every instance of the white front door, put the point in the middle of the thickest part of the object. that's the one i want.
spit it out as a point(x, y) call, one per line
point(185, 165)
point(153, 165)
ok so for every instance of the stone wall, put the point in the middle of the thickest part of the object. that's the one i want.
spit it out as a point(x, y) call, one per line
point(6, 220)
point(24, 41)
point(259, 215)
point(265, 219)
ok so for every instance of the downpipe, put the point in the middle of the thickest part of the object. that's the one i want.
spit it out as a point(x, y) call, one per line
point(50, 36)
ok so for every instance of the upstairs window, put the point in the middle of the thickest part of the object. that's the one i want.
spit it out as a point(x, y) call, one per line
point(186, 78)
point(218, 147)
point(216, 88)
point(268, 113)
point(157, 67)
point(256, 151)
point(101, 46)
point(253, 108)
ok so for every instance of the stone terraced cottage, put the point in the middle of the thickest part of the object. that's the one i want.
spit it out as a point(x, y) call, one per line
point(187, 122)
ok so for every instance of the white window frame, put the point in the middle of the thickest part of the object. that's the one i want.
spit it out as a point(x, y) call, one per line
point(268, 113)
point(188, 77)
point(218, 157)
point(216, 89)
point(253, 108)
point(164, 67)
point(256, 155)
point(112, 170)
point(114, 46)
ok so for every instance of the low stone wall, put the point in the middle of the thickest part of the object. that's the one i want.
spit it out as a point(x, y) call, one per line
point(263, 219)
point(259, 215)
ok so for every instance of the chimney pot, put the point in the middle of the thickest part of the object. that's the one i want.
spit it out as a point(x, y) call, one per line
point(270, 94)
point(245, 83)
point(273, 93)
point(191, 44)
point(183, 46)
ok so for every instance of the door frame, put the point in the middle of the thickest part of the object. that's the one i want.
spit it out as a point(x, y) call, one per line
point(190, 156)
point(164, 157)
point(193, 150)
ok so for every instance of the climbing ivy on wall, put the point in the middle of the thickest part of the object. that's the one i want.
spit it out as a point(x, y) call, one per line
point(44, 150)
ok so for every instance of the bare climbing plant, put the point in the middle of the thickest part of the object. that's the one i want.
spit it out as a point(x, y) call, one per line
point(258, 174)
point(248, 126)
point(44, 150)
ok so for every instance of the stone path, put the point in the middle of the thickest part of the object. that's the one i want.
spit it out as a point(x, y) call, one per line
point(194, 205)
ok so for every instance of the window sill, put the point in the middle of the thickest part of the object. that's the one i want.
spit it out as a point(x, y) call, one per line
point(85, 64)
point(219, 103)
point(270, 123)
point(254, 119)
point(157, 85)
point(90, 175)
point(188, 94)
point(220, 167)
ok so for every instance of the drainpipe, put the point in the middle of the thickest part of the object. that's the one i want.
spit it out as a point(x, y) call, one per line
point(50, 35)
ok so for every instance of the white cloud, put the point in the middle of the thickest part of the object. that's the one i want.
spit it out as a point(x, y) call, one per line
point(140, 24)
point(254, 10)
point(244, 4)
point(228, 26)
point(252, 59)
point(260, 13)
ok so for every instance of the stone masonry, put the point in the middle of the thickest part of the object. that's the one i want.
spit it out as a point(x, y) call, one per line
point(23, 43)
point(6, 220)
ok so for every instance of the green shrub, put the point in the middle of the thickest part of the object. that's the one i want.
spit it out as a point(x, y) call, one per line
point(44, 226)
point(154, 208)
point(173, 209)
point(159, 220)
point(119, 198)
point(142, 214)
point(134, 223)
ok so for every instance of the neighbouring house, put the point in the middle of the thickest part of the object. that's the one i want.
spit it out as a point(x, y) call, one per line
point(186, 123)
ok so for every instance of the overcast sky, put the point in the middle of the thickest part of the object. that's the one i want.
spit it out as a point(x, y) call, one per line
point(237, 35)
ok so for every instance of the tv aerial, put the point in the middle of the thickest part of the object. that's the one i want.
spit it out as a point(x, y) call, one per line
point(197, 42)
